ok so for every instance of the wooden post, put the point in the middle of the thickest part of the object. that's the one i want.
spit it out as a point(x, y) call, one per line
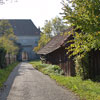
point(7, 59)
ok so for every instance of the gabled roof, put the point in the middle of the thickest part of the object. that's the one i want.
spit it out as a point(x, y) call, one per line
point(23, 27)
point(54, 43)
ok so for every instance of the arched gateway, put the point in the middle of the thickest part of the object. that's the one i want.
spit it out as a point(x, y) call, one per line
point(27, 38)
point(24, 56)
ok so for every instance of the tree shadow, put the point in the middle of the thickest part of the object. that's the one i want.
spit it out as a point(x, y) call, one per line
point(4, 92)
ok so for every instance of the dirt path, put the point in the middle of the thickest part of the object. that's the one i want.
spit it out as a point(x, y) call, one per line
point(26, 83)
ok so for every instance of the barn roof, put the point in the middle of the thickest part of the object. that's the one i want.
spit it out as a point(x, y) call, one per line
point(23, 27)
point(54, 43)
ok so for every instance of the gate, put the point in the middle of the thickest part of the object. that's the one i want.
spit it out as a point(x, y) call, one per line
point(24, 56)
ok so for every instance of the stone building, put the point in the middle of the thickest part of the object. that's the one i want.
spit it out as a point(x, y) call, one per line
point(27, 38)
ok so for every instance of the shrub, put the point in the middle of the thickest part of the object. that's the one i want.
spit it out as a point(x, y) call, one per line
point(4, 73)
point(53, 69)
point(82, 66)
point(2, 57)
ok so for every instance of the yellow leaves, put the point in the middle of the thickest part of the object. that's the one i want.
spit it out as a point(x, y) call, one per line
point(75, 87)
point(97, 33)
point(77, 34)
point(97, 16)
point(72, 45)
point(98, 98)
point(7, 39)
point(44, 39)
point(8, 45)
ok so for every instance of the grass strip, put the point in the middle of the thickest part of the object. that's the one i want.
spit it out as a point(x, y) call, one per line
point(4, 73)
point(86, 89)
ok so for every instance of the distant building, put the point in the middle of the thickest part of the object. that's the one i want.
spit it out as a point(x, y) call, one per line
point(27, 38)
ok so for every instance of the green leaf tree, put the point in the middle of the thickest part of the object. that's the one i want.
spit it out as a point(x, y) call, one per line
point(44, 39)
point(50, 29)
point(4, 1)
point(7, 37)
point(47, 29)
point(58, 25)
point(84, 15)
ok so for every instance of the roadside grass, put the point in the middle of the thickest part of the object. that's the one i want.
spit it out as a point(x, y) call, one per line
point(85, 89)
point(4, 73)
point(47, 68)
point(36, 63)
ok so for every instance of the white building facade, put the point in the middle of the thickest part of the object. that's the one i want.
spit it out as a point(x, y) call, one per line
point(27, 38)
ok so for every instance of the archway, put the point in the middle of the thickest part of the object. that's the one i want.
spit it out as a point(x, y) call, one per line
point(24, 56)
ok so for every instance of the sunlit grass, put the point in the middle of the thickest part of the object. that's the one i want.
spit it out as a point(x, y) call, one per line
point(86, 90)
point(4, 73)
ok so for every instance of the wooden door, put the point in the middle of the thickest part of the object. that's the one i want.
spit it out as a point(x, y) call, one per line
point(24, 56)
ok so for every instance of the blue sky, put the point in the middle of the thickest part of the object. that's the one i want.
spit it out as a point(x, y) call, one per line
point(37, 10)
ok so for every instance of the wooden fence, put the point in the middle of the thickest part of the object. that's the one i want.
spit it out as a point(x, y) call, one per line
point(10, 58)
point(94, 63)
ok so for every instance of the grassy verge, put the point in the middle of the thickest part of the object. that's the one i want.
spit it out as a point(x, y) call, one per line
point(47, 68)
point(87, 90)
point(4, 73)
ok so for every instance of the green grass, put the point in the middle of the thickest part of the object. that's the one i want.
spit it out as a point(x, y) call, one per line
point(47, 68)
point(36, 63)
point(4, 73)
point(86, 90)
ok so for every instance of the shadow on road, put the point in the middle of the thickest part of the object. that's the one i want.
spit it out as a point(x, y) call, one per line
point(4, 92)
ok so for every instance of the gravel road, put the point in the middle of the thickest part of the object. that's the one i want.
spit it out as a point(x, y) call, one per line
point(26, 83)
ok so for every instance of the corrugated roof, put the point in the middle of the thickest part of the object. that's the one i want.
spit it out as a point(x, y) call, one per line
point(54, 44)
point(23, 27)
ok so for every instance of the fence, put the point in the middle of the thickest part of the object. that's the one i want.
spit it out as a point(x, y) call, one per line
point(94, 63)
point(10, 58)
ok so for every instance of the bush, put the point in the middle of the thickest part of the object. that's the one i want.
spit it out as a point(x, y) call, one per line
point(4, 73)
point(2, 57)
point(82, 66)
point(47, 68)
point(41, 66)
point(53, 69)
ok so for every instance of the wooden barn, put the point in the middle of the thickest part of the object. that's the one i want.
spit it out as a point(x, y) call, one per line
point(94, 64)
point(55, 53)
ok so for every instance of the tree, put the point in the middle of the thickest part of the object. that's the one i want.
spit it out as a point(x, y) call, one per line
point(7, 42)
point(47, 29)
point(4, 1)
point(58, 25)
point(54, 26)
point(7, 37)
point(45, 36)
point(84, 15)
point(44, 39)
point(50, 29)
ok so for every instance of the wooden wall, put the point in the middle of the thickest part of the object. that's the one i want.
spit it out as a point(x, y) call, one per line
point(10, 59)
point(94, 63)
point(59, 57)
